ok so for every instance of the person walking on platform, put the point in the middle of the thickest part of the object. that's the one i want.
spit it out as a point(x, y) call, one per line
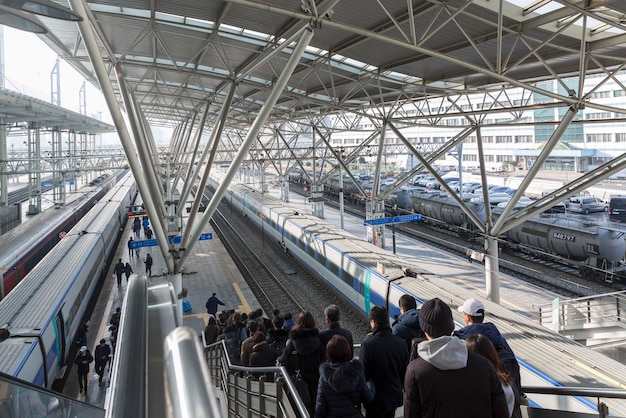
point(82, 361)
point(332, 315)
point(149, 233)
point(119, 270)
point(385, 357)
point(103, 351)
point(128, 270)
point(81, 336)
point(137, 227)
point(211, 304)
point(130, 247)
point(148, 263)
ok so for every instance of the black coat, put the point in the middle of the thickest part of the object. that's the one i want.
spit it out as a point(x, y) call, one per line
point(210, 333)
point(305, 352)
point(335, 329)
point(264, 356)
point(82, 362)
point(102, 353)
point(341, 390)
point(277, 338)
point(385, 357)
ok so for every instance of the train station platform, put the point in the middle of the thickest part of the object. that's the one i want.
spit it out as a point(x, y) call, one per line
point(208, 269)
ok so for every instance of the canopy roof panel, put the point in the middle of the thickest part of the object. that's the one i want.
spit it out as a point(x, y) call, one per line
point(176, 55)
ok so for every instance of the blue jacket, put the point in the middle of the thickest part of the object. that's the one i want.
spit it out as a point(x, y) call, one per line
point(407, 326)
point(489, 330)
point(505, 353)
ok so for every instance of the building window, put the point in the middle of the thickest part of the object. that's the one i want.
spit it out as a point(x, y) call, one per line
point(601, 95)
point(599, 138)
point(520, 139)
point(598, 115)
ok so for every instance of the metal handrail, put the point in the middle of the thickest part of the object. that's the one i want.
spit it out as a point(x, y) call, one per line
point(188, 385)
point(279, 370)
point(128, 396)
point(575, 391)
point(582, 298)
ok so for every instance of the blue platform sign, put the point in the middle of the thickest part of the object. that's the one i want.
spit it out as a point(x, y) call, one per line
point(171, 240)
point(144, 243)
point(393, 220)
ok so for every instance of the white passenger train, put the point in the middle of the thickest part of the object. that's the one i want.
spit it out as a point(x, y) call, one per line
point(366, 275)
point(42, 314)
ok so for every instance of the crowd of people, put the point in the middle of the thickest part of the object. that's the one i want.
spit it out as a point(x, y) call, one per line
point(413, 362)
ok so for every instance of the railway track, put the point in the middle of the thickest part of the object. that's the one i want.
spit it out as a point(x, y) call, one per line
point(266, 285)
point(275, 277)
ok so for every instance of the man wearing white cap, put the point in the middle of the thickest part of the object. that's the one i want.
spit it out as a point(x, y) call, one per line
point(474, 314)
point(82, 361)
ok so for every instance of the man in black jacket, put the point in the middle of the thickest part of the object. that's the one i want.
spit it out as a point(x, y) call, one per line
point(384, 358)
point(82, 361)
point(103, 352)
point(332, 316)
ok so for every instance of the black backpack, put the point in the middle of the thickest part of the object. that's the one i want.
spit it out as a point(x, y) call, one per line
point(414, 346)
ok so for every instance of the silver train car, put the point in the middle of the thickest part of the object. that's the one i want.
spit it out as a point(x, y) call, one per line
point(365, 275)
point(41, 316)
point(25, 245)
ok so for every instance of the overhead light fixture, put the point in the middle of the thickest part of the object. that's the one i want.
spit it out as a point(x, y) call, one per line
point(20, 20)
point(45, 8)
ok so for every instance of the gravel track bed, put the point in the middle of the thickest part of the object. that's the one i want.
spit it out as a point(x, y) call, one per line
point(310, 292)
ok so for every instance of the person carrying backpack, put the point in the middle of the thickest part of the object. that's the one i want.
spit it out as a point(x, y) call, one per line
point(407, 325)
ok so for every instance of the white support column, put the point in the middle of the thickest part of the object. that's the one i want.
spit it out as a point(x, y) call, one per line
point(4, 177)
point(102, 73)
point(34, 170)
point(492, 269)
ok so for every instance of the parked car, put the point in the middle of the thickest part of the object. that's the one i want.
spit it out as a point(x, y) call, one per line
point(502, 189)
point(617, 209)
point(587, 204)
point(425, 180)
point(489, 188)
point(454, 185)
point(470, 187)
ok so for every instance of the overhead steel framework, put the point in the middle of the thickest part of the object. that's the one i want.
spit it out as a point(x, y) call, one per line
point(32, 117)
point(274, 81)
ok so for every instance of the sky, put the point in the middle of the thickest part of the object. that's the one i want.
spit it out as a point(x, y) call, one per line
point(28, 64)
